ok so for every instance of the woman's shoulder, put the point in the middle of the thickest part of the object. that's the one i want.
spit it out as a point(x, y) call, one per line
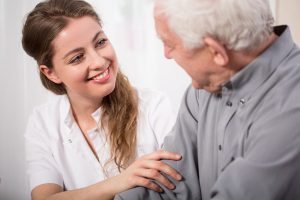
point(52, 108)
point(47, 117)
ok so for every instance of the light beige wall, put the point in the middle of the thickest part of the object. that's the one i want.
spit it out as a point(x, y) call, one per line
point(288, 12)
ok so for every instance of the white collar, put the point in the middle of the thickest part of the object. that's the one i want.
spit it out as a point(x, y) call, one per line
point(66, 112)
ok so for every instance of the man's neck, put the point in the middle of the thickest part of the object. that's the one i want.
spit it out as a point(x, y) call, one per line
point(239, 60)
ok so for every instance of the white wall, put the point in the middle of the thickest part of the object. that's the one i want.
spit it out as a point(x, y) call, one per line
point(13, 103)
point(287, 12)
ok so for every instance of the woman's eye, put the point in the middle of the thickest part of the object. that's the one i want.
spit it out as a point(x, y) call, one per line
point(76, 59)
point(101, 42)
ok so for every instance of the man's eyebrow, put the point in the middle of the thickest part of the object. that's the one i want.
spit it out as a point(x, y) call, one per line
point(80, 48)
point(161, 37)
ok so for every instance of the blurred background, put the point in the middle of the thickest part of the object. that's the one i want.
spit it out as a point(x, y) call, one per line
point(129, 25)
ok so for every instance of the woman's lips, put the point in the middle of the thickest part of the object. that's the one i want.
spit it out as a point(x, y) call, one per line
point(102, 77)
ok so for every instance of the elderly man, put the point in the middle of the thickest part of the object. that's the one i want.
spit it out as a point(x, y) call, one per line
point(238, 128)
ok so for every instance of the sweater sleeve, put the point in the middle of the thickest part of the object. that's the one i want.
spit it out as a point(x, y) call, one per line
point(183, 141)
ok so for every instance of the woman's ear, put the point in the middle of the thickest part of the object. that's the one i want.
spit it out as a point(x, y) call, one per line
point(50, 74)
point(218, 51)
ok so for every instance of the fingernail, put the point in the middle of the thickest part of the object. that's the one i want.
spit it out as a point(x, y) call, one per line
point(172, 187)
point(178, 177)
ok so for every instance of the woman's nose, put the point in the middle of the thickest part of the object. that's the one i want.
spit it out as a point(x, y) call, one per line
point(97, 61)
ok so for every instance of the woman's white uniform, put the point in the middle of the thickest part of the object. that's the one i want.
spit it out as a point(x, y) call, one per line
point(57, 152)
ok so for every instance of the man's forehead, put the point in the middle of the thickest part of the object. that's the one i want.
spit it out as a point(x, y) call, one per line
point(157, 8)
point(161, 25)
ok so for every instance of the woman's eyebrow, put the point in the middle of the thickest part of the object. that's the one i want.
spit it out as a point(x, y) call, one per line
point(96, 35)
point(80, 48)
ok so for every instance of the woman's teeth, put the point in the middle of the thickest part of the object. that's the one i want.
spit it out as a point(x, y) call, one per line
point(100, 76)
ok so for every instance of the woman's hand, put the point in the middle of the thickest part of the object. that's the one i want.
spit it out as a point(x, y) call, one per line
point(148, 168)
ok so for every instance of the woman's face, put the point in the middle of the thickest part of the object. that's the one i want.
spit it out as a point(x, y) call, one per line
point(84, 61)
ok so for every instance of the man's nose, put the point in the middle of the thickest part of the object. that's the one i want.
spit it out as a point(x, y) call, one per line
point(167, 52)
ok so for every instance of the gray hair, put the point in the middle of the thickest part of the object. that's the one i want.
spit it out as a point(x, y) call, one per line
point(238, 24)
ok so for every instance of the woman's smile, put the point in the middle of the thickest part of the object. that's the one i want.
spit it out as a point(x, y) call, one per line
point(101, 77)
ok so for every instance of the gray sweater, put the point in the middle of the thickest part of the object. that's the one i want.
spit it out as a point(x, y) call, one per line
point(243, 143)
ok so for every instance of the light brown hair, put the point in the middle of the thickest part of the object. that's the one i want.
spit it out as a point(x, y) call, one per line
point(120, 108)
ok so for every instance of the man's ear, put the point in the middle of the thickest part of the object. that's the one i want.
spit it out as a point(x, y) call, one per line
point(218, 51)
point(50, 74)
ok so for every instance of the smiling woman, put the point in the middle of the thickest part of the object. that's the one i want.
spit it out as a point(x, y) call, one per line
point(82, 55)
point(83, 144)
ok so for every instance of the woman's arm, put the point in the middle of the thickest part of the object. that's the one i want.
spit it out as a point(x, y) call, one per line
point(140, 173)
point(103, 190)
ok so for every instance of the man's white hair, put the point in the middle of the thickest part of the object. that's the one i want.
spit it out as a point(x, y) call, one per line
point(238, 24)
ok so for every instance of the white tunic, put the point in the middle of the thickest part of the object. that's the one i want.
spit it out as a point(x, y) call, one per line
point(57, 152)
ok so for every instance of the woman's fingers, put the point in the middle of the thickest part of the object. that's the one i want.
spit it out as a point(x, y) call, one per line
point(129, 180)
point(150, 168)
point(147, 183)
point(156, 175)
point(162, 155)
point(160, 166)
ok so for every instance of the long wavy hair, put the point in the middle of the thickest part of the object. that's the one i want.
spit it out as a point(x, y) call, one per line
point(120, 108)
